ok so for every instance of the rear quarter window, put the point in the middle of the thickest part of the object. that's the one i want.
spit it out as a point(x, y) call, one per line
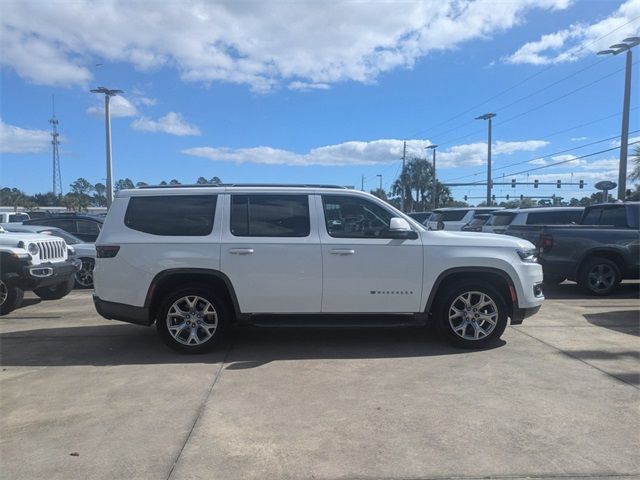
point(553, 218)
point(453, 215)
point(174, 215)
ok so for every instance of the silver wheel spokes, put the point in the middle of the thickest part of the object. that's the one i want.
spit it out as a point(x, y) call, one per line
point(192, 320)
point(84, 276)
point(601, 277)
point(4, 293)
point(473, 315)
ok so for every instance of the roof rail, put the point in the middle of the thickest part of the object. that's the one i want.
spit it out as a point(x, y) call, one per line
point(274, 185)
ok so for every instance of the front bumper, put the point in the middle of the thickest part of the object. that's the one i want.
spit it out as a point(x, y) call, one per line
point(47, 274)
point(122, 312)
point(519, 314)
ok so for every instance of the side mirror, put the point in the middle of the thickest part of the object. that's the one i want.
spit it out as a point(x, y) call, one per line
point(400, 228)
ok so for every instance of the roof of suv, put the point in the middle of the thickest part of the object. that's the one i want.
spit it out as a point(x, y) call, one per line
point(538, 209)
point(241, 187)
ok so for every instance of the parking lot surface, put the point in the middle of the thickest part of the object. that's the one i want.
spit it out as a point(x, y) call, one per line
point(87, 398)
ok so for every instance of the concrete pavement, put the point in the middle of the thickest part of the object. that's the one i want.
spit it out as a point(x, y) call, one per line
point(558, 398)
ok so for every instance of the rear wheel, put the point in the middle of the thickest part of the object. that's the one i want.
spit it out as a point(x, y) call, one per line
point(472, 315)
point(10, 298)
point(55, 292)
point(192, 320)
point(599, 276)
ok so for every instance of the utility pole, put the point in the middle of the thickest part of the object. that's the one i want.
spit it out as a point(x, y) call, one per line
point(362, 187)
point(57, 177)
point(404, 157)
point(488, 116)
point(628, 44)
point(434, 188)
point(107, 120)
point(379, 175)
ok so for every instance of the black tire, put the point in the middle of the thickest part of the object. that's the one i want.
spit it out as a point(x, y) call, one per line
point(497, 311)
point(56, 292)
point(10, 297)
point(180, 339)
point(599, 276)
point(84, 276)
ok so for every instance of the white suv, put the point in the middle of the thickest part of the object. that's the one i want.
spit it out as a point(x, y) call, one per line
point(194, 259)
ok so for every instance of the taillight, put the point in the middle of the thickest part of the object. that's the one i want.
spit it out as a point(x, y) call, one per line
point(107, 251)
point(545, 243)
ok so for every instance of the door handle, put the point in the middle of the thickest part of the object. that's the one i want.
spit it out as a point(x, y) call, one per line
point(241, 251)
point(342, 251)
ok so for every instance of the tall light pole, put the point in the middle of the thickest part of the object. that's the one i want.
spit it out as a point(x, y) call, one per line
point(628, 44)
point(488, 116)
point(380, 175)
point(434, 191)
point(107, 120)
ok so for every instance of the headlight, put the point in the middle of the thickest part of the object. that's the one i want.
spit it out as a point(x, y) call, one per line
point(33, 249)
point(528, 255)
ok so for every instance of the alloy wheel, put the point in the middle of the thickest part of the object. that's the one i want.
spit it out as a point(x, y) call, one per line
point(601, 278)
point(4, 292)
point(473, 315)
point(192, 320)
point(84, 276)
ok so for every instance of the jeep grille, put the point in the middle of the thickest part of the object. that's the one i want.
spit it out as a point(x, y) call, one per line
point(53, 250)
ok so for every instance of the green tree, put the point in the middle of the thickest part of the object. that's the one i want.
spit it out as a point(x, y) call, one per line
point(215, 181)
point(141, 184)
point(417, 177)
point(48, 199)
point(174, 182)
point(100, 197)
point(123, 184)
point(202, 181)
point(79, 198)
point(380, 193)
point(635, 158)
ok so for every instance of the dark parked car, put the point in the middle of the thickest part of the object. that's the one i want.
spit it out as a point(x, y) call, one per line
point(85, 227)
point(599, 253)
point(528, 222)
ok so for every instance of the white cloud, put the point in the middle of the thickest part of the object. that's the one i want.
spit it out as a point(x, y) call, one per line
point(579, 40)
point(119, 106)
point(570, 160)
point(361, 153)
point(579, 139)
point(538, 161)
point(261, 44)
point(172, 123)
point(21, 140)
point(632, 140)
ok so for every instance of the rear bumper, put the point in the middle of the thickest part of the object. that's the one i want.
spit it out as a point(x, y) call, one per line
point(122, 312)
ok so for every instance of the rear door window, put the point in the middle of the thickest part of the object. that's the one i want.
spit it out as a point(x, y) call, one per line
point(175, 215)
point(553, 218)
point(501, 220)
point(616, 216)
point(270, 215)
point(592, 217)
point(453, 215)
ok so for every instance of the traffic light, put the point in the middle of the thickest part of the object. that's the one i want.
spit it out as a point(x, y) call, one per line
point(493, 197)
point(465, 198)
point(521, 197)
point(513, 183)
point(535, 183)
point(507, 196)
point(581, 184)
point(558, 183)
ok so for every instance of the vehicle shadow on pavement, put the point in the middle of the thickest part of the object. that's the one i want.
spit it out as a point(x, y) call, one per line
point(570, 290)
point(625, 321)
point(249, 347)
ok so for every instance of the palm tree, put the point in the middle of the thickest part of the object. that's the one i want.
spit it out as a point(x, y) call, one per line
point(635, 158)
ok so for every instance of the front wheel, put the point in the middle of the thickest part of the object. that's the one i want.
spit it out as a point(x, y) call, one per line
point(191, 320)
point(84, 276)
point(472, 315)
point(10, 298)
point(56, 292)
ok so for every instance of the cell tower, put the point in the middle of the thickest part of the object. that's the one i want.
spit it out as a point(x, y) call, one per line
point(57, 178)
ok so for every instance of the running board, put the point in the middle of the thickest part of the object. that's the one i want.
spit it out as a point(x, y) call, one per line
point(335, 320)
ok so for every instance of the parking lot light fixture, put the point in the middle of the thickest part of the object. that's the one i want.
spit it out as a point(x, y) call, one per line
point(488, 116)
point(616, 49)
point(108, 93)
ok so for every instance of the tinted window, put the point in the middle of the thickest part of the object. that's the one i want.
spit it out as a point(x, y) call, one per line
point(65, 224)
point(352, 217)
point(270, 215)
point(18, 217)
point(592, 217)
point(501, 220)
point(616, 216)
point(180, 215)
point(453, 215)
point(553, 218)
point(86, 226)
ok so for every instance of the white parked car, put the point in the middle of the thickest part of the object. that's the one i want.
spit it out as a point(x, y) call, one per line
point(84, 252)
point(13, 217)
point(500, 220)
point(455, 218)
point(194, 259)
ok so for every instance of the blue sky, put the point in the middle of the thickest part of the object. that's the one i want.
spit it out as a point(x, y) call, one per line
point(300, 92)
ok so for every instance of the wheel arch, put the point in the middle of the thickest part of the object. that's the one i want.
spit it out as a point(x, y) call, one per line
point(610, 254)
point(166, 280)
point(499, 278)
